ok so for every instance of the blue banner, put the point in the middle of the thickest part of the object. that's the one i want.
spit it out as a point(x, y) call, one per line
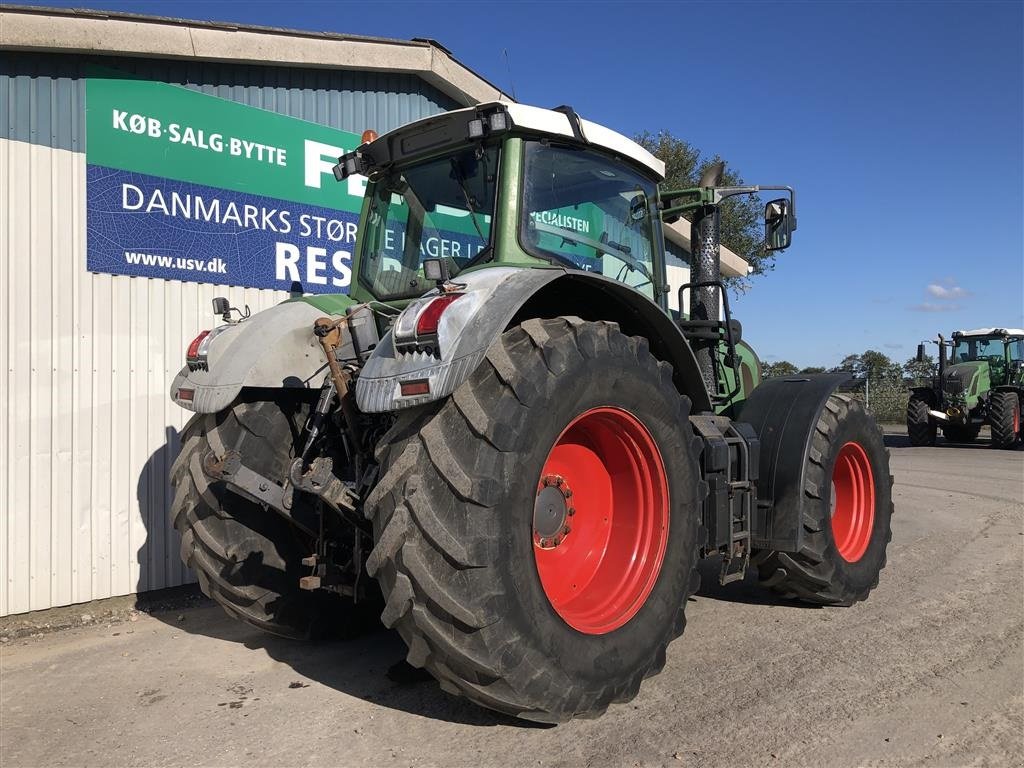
point(152, 226)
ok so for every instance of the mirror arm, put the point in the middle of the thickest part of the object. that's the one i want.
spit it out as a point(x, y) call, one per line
point(715, 195)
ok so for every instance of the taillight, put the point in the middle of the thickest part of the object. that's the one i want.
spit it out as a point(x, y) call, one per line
point(193, 348)
point(193, 353)
point(430, 317)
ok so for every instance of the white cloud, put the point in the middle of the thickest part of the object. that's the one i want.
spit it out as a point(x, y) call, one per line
point(947, 292)
point(929, 307)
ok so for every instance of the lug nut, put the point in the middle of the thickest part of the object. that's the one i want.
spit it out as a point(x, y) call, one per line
point(570, 511)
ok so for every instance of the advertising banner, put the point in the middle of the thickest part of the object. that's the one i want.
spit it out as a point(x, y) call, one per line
point(186, 186)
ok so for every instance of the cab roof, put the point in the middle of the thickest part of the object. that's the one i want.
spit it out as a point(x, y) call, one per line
point(532, 119)
point(991, 332)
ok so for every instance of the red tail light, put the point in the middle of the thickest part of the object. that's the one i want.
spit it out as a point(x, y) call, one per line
point(193, 348)
point(430, 318)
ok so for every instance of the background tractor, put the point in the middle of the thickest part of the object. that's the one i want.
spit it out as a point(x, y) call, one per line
point(981, 383)
point(503, 437)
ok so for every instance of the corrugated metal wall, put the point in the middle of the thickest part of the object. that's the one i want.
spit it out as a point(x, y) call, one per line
point(87, 431)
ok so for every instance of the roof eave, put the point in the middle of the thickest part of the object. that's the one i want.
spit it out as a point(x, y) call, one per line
point(92, 32)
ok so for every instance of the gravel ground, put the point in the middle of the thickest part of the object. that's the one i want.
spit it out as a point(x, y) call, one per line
point(929, 671)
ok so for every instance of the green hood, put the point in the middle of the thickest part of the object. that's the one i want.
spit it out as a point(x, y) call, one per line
point(967, 381)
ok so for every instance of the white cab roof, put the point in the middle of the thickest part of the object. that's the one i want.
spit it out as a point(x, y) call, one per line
point(549, 121)
point(992, 332)
point(557, 124)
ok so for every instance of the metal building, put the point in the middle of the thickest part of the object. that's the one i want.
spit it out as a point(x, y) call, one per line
point(106, 191)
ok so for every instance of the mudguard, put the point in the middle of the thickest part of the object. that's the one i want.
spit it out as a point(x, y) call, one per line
point(274, 348)
point(492, 298)
point(466, 329)
point(784, 412)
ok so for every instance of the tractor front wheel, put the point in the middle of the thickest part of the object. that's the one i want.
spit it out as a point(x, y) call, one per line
point(1004, 418)
point(536, 533)
point(848, 508)
point(920, 425)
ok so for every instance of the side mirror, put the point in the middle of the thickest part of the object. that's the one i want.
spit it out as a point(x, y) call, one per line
point(638, 208)
point(920, 353)
point(778, 225)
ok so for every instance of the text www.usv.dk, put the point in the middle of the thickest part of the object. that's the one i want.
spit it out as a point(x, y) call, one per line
point(218, 266)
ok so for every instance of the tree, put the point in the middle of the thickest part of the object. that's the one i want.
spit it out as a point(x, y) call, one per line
point(870, 364)
point(774, 370)
point(742, 216)
point(920, 372)
point(813, 369)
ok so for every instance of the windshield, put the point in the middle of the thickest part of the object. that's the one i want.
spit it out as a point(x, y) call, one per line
point(967, 350)
point(441, 208)
point(587, 211)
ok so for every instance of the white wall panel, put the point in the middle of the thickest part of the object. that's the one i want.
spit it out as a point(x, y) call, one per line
point(87, 431)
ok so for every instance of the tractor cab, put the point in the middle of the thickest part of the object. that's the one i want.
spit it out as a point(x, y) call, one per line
point(517, 186)
point(506, 184)
point(999, 351)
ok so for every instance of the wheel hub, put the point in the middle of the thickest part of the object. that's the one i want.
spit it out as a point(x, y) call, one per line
point(605, 472)
point(551, 511)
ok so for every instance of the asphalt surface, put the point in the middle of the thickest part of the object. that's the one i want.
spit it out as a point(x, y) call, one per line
point(929, 671)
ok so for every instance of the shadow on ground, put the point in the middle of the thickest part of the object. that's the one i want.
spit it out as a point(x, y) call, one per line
point(368, 664)
point(746, 592)
point(367, 661)
point(982, 443)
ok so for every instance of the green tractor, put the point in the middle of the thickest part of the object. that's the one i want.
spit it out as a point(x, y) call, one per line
point(982, 383)
point(502, 440)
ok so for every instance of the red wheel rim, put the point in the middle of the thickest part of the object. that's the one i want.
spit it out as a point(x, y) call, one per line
point(601, 520)
point(853, 506)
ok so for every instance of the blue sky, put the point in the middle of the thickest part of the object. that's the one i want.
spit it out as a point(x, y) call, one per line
point(900, 124)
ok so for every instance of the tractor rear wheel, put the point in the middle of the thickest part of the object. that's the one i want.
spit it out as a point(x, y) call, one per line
point(846, 525)
point(1004, 418)
point(920, 425)
point(536, 533)
point(247, 558)
point(957, 433)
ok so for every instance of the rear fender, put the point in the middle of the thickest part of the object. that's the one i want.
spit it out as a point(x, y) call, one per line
point(784, 412)
point(497, 297)
point(273, 349)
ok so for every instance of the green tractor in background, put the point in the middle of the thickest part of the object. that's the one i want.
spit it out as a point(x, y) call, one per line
point(981, 383)
point(501, 438)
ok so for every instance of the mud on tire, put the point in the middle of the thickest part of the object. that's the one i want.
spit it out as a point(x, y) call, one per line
point(247, 558)
point(818, 573)
point(452, 517)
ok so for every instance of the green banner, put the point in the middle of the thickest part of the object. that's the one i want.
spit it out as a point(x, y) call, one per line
point(176, 133)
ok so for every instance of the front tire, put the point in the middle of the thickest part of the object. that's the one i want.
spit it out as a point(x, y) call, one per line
point(848, 509)
point(920, 425)
point(467, 544)
point(1004, 418)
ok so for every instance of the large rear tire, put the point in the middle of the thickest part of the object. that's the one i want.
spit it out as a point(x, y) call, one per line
point(1004, 418)
point(483, 499)
point(846, 526)
point(920, 426)
point(248, 558)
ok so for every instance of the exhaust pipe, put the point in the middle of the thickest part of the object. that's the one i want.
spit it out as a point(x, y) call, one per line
point(706, 266)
